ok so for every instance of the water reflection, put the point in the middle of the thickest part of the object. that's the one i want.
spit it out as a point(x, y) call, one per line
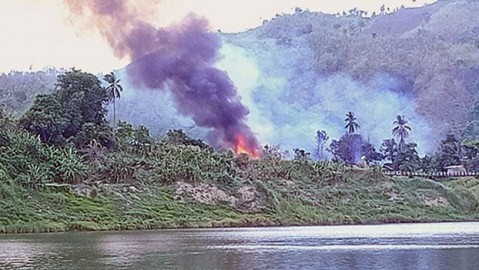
point(22, 254)
point(408, 246)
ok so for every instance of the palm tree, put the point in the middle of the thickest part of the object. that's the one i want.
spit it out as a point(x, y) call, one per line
point(113, 91)
point(351, 124)
point(401, 130)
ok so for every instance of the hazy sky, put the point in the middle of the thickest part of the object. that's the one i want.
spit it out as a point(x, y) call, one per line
point(37, 33)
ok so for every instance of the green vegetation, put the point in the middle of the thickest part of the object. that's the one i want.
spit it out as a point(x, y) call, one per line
point(73, 114)
point(351, 147)
point(351, 124)
point(401, 130)
point(18, 89)
point(62, 167)
point(113, 91)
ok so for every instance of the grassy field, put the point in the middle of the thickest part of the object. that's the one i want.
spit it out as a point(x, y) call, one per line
point(362, 197)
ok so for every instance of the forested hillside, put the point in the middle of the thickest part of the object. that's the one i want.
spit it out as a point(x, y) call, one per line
point(301, 72)
point(18, 89)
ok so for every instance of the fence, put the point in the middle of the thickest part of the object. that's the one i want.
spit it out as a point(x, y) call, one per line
point(432, 174)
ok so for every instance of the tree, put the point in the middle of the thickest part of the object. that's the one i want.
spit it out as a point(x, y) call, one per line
point(403, 158)
point(46, 119)
point(351, 124)
point(369, 152)
point(321, 139)
point(7, 122)
point(347, 148)
point(91, 132)
point(428, 164)
point(83, 99)
point(407, 159)
point(389, 149)
point(78, 100)
point(142, 139)
point(113, 91)
point(401, 130)
point(124, 135)
point(449, 153)
point(471, 154)
point(471, 130)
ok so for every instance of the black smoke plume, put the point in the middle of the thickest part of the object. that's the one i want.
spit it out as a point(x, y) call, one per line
point(179, 58)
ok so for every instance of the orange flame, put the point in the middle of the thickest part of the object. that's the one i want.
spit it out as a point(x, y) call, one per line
point(242, 148)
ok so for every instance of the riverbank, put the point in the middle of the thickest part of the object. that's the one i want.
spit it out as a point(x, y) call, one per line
point(358, 197)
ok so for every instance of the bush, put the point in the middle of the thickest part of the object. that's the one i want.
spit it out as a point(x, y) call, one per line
point(27, 160)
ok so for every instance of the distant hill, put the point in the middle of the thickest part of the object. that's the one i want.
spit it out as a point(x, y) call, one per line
point(302, 72)
point(307, 69)
point(18, 89)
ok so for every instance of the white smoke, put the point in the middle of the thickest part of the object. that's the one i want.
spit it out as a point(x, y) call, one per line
point(289, 101)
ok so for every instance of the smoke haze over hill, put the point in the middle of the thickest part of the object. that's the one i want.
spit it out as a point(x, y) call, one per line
point(300, 73)
point(305, 71)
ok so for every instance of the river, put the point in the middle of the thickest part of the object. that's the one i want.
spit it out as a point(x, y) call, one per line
point(398, 246)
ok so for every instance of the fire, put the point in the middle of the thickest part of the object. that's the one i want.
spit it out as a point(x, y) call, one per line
point(242, 148)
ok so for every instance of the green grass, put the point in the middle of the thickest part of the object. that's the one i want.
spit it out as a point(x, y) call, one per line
point(366, 201)
point(61, 210)
point(353, 199)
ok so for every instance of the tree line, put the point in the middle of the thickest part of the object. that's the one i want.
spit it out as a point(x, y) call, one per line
point(74, 116)
point(396, 153)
